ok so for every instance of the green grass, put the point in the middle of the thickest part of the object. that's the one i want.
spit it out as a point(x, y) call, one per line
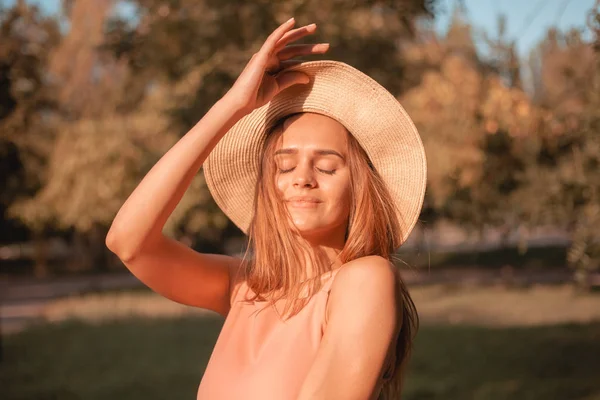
point(165, 359)
point(551, 362)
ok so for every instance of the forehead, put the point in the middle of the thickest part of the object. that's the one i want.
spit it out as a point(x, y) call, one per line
point(310, 130)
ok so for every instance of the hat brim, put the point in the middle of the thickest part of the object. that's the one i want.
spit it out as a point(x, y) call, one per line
point(369, 112)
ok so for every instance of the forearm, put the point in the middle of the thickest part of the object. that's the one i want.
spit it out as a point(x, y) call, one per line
point(144, 214)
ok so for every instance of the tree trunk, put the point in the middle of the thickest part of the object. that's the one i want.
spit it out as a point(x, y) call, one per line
point(40, 245)
point(97, 248)
point(79, 260)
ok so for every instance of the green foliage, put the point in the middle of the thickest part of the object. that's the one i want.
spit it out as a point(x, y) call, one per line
point(499, 158)
point(27, 99)
point(563, 180)
point(175, 38)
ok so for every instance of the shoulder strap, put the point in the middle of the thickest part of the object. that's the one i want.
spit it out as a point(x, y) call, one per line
point(329, 281)
point(327, 288)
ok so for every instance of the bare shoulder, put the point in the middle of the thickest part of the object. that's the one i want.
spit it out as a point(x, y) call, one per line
point(364, 284)
point(361, 308)
point(374, 271)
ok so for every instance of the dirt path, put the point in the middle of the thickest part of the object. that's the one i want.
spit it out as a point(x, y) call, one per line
point(28, 300)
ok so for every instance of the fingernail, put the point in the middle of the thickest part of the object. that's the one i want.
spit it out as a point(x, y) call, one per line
point(290, 20)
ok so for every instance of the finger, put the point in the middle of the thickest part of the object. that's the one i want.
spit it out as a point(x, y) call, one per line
point(290, 63)
point(294, 35)
point(274, 37)
point(302, 49)
point(287, 79)
point(281, 66)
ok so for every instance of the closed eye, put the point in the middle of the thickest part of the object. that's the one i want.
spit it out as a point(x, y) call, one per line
point(284, 171)
point(327, 172)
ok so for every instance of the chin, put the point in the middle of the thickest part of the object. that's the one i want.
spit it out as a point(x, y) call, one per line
point(311, 229)
point(304, 228)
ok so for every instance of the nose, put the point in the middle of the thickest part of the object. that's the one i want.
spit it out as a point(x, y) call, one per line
point(304, 175)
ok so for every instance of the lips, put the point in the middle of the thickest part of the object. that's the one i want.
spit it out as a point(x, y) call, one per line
point(303, 202)
point(303, 199)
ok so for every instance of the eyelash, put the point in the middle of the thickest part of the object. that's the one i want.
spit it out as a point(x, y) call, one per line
point(283, 171)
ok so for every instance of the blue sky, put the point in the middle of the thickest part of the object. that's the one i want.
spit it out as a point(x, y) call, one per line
point(527, 20)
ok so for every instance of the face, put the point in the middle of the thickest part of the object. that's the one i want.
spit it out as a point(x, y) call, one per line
point(310, 158)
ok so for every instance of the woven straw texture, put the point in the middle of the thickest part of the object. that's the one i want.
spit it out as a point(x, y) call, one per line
point(369, 112)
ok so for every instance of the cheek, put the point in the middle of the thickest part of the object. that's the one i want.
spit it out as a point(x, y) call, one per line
point(339, 195)
point(281, 183)
point(346, 198)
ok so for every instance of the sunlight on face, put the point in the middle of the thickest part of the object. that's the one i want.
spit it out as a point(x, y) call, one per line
point(310, 158)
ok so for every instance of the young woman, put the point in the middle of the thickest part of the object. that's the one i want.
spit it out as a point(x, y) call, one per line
point(326, 173)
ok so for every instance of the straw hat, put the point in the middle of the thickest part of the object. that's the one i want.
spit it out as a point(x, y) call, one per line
point(369, 112)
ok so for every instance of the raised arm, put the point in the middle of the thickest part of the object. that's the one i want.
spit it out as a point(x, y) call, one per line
point(163, 264)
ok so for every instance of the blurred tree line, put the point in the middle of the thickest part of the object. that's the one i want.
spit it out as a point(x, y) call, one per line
point(92, 97)
point(504, 158)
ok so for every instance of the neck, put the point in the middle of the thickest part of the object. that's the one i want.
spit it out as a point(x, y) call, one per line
point(326, 247)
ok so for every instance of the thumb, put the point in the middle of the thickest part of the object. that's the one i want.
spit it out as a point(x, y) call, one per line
point(288, 79)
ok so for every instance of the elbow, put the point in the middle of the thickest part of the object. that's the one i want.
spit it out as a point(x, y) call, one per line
point(116, 244)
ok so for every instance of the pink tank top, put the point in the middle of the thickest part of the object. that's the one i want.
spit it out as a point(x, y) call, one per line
point(258, 355)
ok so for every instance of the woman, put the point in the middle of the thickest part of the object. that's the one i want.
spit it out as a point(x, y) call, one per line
point(325, 172)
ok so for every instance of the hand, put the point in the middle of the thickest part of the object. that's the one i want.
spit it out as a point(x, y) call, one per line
point(264, 75)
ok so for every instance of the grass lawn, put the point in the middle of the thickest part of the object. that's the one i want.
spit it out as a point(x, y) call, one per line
point(164, 358)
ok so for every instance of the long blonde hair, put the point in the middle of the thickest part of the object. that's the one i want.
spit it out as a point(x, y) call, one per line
point(277, 251)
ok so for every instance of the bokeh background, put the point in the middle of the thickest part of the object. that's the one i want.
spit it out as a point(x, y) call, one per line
point(503, 264)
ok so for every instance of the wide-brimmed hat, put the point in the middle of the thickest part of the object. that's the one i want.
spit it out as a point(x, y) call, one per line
point(370, 113)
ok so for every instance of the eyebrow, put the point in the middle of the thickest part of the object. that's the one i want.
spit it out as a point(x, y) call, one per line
point(321, 152)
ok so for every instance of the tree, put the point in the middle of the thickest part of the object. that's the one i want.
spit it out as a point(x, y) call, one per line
point(26, 97)
point(469, 118)
point(99, 154)
point(27, 104)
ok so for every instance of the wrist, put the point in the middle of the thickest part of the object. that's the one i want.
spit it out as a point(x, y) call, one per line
point(232, 103)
